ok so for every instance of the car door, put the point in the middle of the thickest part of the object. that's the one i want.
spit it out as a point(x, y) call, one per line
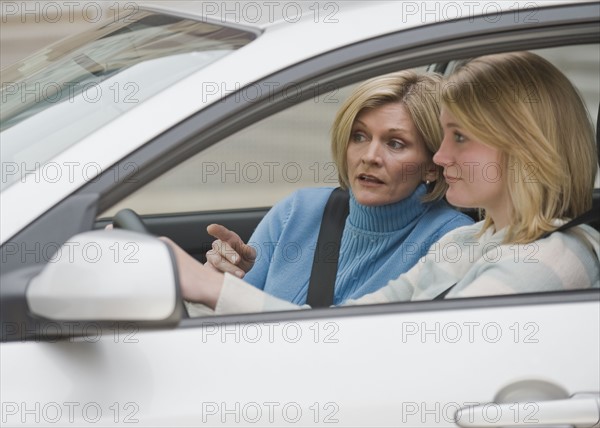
point(510, 360)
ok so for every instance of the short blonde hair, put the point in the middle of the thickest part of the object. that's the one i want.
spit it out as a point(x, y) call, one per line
point(522, 105)
point(419, 93)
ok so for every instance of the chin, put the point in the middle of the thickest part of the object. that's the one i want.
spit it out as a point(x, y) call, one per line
point(460, 203)
point(457, 201)
point(369, 201)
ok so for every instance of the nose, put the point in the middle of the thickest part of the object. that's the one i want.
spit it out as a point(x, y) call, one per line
point(372, 153)
point(442, 156)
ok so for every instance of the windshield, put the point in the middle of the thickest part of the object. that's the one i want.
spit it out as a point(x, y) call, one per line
point(56, 97)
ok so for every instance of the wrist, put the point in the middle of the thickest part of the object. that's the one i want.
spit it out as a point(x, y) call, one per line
point(212, 286)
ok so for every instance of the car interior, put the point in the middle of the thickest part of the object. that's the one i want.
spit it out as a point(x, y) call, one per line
point(183, 186)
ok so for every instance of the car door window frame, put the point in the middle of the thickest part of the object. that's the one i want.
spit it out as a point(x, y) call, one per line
point(556, 26)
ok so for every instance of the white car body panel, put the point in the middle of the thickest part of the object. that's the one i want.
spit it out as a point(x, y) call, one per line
point(410, 380)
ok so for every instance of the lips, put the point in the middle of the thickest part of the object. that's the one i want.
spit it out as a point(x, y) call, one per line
point(367, 178)
point(450, 179)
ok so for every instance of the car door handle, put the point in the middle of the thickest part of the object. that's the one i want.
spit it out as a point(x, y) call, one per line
point(581, 410)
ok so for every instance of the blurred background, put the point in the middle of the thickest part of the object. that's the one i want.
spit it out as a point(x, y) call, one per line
point(28, 26)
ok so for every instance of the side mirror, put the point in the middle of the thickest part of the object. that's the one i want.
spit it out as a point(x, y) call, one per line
point(108, 276)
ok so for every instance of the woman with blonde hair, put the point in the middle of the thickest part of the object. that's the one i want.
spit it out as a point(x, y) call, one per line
point(518, 144)
point(383, 140)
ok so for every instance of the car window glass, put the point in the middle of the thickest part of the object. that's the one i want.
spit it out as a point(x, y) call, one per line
point(266, 161)
point(114, 69)
point(581, 64)
point(254, 167)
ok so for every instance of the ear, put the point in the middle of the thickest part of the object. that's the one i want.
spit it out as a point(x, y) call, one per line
point(430, 172)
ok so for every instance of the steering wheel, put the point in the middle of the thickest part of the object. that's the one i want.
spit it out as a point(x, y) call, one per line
point(129, 220)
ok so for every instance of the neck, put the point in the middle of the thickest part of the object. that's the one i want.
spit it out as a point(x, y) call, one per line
point(500, 217)
point(387, 218)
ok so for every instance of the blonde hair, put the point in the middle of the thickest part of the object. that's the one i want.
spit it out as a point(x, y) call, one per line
point(522, 105)
point(419, 93)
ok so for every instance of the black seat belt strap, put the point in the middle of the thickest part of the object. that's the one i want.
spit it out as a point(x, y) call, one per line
point(442, 295)
point(327, 251)
point(587, 217)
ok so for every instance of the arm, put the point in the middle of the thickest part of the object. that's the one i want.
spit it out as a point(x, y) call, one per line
point(223, 292)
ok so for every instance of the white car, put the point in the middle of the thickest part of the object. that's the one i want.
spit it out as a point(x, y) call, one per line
point(198, 112)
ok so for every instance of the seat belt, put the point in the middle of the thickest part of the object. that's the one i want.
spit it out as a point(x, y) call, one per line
point(586, 217)
point(327, 251)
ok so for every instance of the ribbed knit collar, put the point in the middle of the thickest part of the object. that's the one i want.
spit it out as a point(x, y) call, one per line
point(387, 218)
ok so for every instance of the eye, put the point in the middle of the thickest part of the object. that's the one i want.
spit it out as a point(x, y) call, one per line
point(358, 137)
point(458, 137)
point(396, 144)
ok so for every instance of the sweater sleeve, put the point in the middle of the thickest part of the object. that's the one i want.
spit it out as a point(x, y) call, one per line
point(265, 238)
point(238, 297)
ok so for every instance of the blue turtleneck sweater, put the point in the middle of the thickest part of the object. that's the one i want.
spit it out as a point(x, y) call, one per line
point(378, 243)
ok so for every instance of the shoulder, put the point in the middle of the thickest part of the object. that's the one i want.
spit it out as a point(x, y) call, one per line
point(563, 260)
point(577, 244)
point(312, 195)
point(307, 197)
point(465, 233)
point(444, 219)
point(301, 205)
point(448, 213)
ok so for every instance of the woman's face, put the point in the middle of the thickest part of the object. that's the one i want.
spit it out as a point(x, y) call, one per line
point(386, 158)
point(472, 170)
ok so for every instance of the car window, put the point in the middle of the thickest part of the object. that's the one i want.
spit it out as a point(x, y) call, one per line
point(261, 164)
point(581, 64)
point(114, 69)
point(254, 167)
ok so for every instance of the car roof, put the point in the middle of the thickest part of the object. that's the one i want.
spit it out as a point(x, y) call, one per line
point(266, 15)
point(257, 15)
